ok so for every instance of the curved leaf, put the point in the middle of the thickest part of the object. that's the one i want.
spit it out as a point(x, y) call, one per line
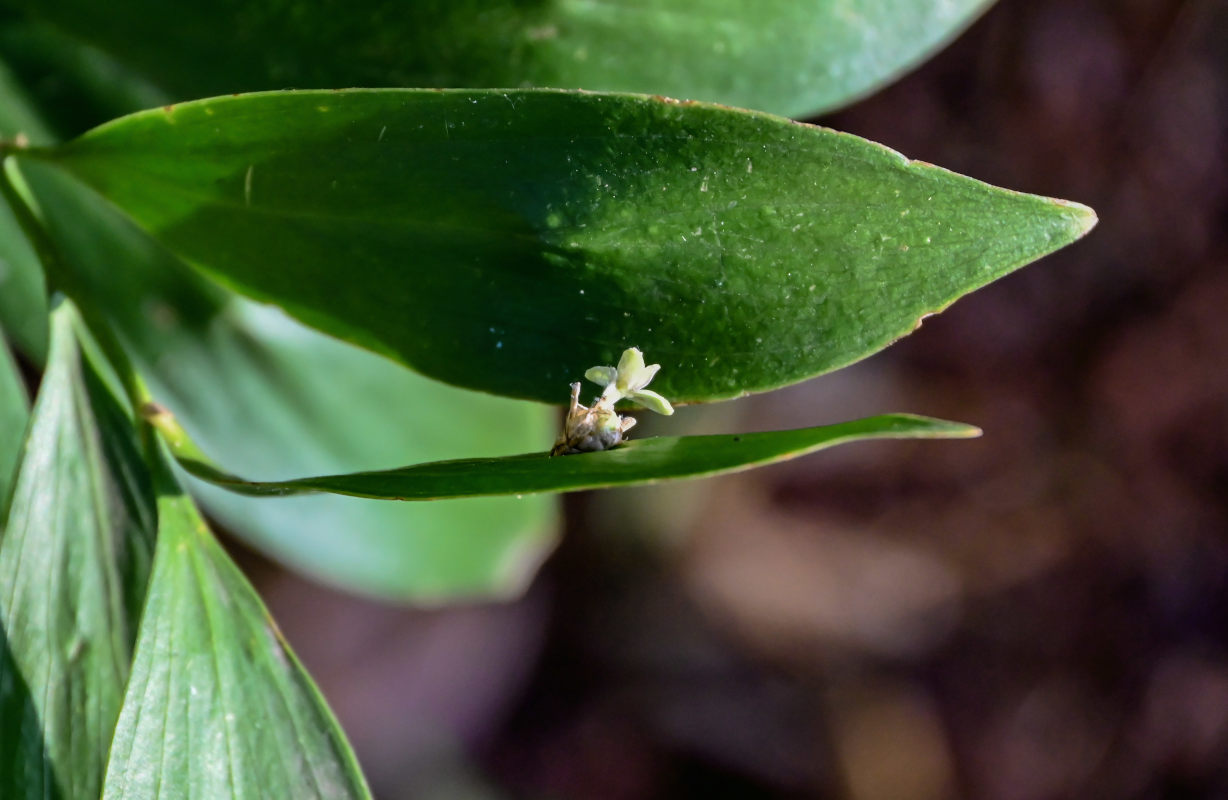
point(781, 55)
point(73, 563)
point(266, 393)
point(636, 462)
point(508, 241)
point(218, 705)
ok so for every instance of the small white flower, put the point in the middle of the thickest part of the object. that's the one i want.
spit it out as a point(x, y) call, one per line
point(628, 380)
point(600, 427)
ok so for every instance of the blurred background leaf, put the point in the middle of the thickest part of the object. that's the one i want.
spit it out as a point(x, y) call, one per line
point(74, 559)
point(218, 705)
point(262, 391)
point(508, 241)
point(789, 57)
point(72, 84)
point(17, 115)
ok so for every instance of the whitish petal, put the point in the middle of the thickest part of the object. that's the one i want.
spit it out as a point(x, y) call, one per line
point(652, 401)
point(645, 377)
point(629, 368)
point(602, 376)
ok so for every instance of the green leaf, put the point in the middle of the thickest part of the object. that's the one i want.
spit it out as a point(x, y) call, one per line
point(782, 55)
point(218, 705)
point(73, 565)
point(636, 462)
point(508, 241)
point(278, 399)
point(14, 413)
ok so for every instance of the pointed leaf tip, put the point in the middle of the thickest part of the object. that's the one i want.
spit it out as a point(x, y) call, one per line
point(1086, 215)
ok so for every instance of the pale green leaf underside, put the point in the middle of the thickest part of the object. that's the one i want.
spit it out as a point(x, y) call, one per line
point(636, 462)
point(218, 706)
point(73, 563)
point(787, 56)
point(508, 241)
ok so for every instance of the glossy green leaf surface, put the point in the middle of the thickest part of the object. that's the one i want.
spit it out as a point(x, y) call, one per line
point(276, 399)
point(14, 413)
point(635, 462)
point(508, 241)
point(74, 559)
point(218, 706)
point(785, 56)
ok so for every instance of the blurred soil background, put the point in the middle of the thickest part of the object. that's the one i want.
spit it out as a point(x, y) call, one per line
point(1040, 613)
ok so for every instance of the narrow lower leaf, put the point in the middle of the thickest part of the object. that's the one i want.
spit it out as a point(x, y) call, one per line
point(74, 558)
point(787, 56)
point(262, 391)
point(218, 706)
point(509, 240)
point(14, 413)
point(636, 462)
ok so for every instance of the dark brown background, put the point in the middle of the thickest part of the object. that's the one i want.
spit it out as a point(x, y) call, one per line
point(1041, 613)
